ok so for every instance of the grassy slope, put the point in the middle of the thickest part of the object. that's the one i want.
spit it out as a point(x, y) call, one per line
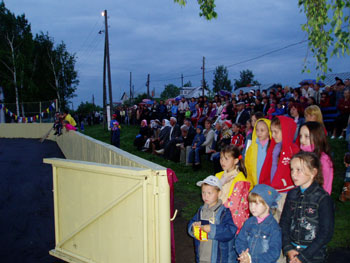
point(189, 194)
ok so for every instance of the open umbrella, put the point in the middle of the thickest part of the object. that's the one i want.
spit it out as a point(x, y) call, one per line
point(312, 81)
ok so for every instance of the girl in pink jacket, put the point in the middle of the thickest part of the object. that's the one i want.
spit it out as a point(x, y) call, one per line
point(313, 139)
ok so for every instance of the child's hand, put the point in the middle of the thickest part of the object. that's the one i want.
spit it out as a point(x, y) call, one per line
point(244, 257)
point(295, 260)
point(206, 228)
point(197, 223)
point(292, 256)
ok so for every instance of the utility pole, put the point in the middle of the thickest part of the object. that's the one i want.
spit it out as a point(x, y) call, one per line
point(203, 80)
point(147, 84)
point(104, 90)
point(130, 86)
point(182, 80)
point(108, 65)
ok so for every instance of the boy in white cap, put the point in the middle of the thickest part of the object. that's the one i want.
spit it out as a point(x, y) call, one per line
point(212, 226)
point(260, 239)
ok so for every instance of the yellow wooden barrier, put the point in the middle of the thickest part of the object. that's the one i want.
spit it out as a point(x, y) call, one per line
point(110, 206)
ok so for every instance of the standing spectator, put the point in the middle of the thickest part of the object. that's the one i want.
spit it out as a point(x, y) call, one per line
point(297, 113)
point(242, 114)
point(307, 220)
point(344, 110)
point(212, 226)
point(161, 110)
point(115, 130)
point(183, 105)
point(209, 135)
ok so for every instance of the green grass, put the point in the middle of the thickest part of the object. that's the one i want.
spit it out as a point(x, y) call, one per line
point(187, 194)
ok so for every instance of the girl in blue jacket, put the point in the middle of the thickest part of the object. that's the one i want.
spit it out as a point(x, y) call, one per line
point(260, 239)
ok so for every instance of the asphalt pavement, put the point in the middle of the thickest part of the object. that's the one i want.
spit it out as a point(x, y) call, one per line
point(26, 201)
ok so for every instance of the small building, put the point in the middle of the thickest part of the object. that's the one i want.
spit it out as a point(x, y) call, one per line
point(124, 97)
point(189, 92)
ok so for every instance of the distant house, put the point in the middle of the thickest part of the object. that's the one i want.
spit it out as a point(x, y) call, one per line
point(124, 97)
point(189, 92)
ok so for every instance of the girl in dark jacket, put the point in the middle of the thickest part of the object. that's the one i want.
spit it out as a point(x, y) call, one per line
point(307, 220)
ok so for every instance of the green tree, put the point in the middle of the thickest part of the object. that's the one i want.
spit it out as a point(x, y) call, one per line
point(15, 51)
point(33, 69)
point(246, 78)
point(65, 77)
point(140, 97)
point(221, 80)
point(87, 107)
point(188, 84)
point(170, 91)
point(324, 26)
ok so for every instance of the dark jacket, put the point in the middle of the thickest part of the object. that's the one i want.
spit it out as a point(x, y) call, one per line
point(176, 132)
point(264, 240)
point(307, 220)
point(222, 233)
point(243, 117)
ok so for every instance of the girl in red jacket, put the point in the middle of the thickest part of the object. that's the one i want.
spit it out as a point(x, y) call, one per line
point(276, 168)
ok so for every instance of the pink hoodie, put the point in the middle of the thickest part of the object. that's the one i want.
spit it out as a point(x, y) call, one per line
point(327, 168)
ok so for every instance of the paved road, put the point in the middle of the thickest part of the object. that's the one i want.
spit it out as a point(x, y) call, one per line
point(26, 201)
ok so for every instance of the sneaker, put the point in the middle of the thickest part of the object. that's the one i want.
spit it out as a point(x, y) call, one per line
point(161, 151)
point(333, 137)
point(340, 137)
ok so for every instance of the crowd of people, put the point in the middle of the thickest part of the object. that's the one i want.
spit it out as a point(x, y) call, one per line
point(269, 149)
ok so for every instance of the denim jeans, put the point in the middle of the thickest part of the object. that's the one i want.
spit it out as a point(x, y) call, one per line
point(196, 154)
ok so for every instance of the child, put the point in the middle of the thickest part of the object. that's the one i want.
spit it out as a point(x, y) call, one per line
point(58, 124)
point(188, 113)
point(226, 132)
point(248, 140)
point(193, 156)
point(237, 137)
point(235, 186)
point(256, 153)
point(313, 139)
point(276, 170)
point(68, 126)
point(212, 226)
point(345, 195)
point(260, 239)
point(307, 221)
point(115, 129)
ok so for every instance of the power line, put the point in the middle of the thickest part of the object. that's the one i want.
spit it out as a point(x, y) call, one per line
point(88, 37)
point(235, 64)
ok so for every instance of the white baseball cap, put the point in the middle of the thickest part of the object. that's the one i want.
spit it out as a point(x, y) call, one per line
point(211, 180)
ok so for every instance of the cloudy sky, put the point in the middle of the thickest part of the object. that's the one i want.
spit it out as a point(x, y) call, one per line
point(165, 40)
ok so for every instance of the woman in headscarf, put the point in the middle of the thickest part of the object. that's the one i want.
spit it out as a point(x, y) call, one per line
point(143, 135)
point(163, 137)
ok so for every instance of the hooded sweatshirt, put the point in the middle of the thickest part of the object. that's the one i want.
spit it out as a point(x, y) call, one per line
point(282, 181)
point(251, 158)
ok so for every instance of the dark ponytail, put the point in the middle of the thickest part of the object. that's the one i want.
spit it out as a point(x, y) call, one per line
point(234, 152)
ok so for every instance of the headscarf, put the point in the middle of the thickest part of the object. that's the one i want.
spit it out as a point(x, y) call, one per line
point(166, 124)
point(143, 123)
